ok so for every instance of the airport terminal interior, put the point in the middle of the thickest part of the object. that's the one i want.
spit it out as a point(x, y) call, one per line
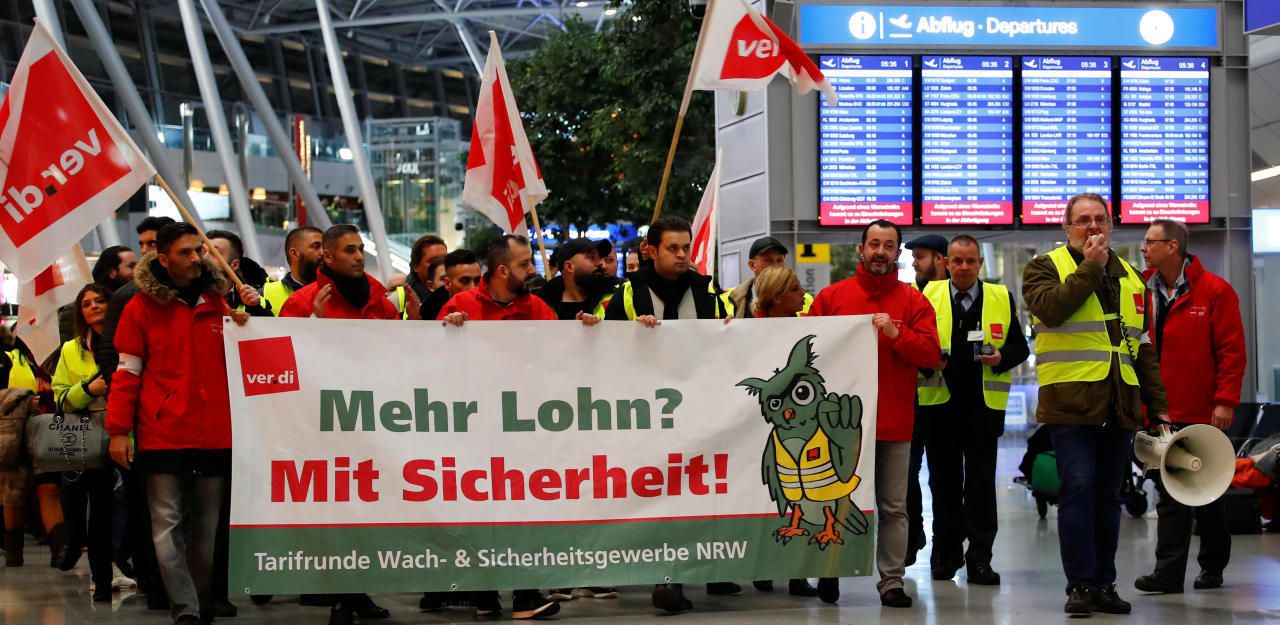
point(955, 117)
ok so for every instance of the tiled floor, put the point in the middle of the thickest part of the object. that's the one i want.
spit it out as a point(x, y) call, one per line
point(1026, 556)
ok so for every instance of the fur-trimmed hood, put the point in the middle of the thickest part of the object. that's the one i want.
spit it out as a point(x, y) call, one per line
point(163, 290)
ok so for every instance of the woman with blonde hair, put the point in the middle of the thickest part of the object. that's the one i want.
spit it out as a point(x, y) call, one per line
point(778, 293)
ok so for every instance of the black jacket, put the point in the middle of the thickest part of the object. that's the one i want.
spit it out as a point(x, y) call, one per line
point(553, 295)
point(104, 349)
point(964, 375)
point(705, 301)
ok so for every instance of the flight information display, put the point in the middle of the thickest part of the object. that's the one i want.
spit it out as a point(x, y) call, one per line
point(1066, 133)
point(865, 142)
point(1164, 139)
point(967, 140)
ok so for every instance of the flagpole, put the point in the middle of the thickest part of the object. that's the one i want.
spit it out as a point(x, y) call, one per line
point(684, 108)
point(537, 229)
point(222, 262)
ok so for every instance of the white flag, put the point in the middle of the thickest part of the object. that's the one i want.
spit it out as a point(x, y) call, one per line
point(38, 303)
point(704, 224)
point(741, 49)
point(503, 180)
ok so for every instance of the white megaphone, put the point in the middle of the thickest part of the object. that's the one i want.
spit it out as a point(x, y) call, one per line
point(1196, 463)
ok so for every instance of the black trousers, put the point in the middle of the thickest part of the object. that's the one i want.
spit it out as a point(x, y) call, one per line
point(962, 476)
point(915, 498)
point(1173, 536)
point(88, 506)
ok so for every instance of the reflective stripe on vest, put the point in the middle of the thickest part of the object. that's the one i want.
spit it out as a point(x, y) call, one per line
point(813, 477)
point(1080, 349)
point(629, 300)
point(996, 315)
point(277, 293)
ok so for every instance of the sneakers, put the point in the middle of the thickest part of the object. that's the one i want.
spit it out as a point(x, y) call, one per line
point(487, 604)
point(526, 605)
point(829, 589)
point(1107, 601)
point(119, 581)
point(561, 594)
point(1079, 601)
point(723, 588)
point(433, 602)
point(801, 588)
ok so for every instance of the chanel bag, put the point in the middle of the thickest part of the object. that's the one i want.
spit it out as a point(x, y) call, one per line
point(69, 442)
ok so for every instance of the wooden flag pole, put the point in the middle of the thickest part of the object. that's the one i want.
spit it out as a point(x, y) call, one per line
point(537, 232)
point(684, 108)
point(222, 262)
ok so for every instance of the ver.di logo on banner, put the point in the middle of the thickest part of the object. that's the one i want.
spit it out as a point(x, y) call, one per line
point(268, 366)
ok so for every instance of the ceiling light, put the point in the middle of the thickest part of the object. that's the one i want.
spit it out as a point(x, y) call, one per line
point(1263, 174)
point(610, 12)
point(582, 5)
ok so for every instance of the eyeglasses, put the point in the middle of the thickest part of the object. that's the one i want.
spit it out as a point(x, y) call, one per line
point(1085, 223)
point(1150, 242)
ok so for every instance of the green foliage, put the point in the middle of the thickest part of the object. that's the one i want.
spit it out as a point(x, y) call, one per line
point(600, 108)
point(478, 238)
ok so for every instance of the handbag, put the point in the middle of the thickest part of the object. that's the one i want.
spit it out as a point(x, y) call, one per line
point(69, 442)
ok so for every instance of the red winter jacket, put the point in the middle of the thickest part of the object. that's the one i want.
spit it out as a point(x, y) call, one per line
point(171, 387)
point(480, 306)
point(1202, 354)
point(915, 348)
point(378, 307)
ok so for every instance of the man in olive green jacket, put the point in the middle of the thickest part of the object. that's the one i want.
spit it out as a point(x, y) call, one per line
point(1091, 422)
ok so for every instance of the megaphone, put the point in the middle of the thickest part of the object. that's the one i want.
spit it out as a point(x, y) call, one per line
point(1196, 463)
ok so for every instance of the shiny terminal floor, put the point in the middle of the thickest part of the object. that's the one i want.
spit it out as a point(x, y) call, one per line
point(1026, 556)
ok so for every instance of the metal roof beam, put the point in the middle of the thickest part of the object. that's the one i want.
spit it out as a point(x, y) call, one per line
point(592, 11)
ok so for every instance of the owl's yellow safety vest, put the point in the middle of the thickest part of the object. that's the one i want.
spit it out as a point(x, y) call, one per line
point(996, 318)
point(1080, 350)
point(21, 375)
point(813, 477)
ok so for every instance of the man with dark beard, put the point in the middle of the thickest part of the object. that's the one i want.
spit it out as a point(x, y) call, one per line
point(583, 279)
point(341, 290)
point(303, 250)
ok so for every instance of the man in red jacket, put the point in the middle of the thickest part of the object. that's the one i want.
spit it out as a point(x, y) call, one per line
point(907, 332)
point(1199, 337)
point(342, 289)
point(170, 393)
point(503, 295)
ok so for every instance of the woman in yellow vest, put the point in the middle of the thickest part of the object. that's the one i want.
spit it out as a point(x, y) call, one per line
point(77, 388)
point(19, 369)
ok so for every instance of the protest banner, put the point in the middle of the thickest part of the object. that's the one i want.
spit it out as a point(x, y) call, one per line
point(390, 457)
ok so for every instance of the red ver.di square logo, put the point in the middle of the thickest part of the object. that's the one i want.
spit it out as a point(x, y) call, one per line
point(268, 366)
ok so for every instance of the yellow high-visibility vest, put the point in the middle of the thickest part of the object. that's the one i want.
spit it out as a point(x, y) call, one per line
point(277, 293)
point(997, 317)
point(1080, 350)
point(813, 476)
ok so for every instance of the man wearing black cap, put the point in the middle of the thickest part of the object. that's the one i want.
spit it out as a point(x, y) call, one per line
point(582, 282)
point(765, 252)
point(929, 259)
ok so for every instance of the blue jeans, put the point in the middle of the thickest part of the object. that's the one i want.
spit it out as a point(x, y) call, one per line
point(1092, 463)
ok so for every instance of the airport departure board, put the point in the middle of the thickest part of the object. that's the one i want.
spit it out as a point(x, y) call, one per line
point(865, 168)
point(1066, 133)
point(966, 128)
point(1164, 139)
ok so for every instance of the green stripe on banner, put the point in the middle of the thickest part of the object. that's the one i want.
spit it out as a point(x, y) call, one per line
point(383, 559)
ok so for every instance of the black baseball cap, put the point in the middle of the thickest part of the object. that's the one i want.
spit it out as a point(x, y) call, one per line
point(932, 242)
point(764, 244)
point(580, 246)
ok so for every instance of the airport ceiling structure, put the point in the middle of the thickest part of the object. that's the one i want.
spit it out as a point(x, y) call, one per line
point(418, 33)
point(1264, 117)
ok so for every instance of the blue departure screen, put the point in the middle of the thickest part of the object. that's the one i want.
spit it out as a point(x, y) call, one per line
point(864, 163)
point(967, 133)
point(1066, 133)
point(1164, 139)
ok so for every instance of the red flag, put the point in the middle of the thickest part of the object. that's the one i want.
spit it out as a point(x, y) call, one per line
point(741, 49)
point(39, 301)
point(704, 225)
point(503, 180)
point(66, 164)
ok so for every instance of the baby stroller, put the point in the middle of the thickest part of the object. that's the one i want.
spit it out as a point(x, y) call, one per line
point(1039, 468)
